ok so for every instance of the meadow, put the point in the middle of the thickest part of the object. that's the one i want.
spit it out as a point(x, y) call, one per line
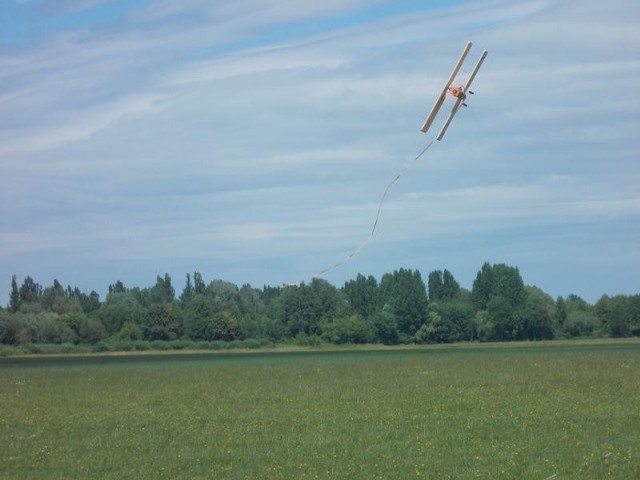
point(556, 410)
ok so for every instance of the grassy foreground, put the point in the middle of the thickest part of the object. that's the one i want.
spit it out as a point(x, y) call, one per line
point(552, 411)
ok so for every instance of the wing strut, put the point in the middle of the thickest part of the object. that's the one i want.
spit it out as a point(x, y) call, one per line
point(440, 101)
point(461, 96)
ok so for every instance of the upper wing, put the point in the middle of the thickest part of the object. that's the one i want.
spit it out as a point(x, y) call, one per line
point(475, 71)
point(460, 100)
point(440, 101)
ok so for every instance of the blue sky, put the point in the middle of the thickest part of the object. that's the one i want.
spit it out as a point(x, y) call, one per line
point(251, 140)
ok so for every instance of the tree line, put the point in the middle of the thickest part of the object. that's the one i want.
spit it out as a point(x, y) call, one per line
point(399, 309)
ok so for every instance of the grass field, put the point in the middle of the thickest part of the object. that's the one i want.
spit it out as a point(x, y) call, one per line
point(531, 411)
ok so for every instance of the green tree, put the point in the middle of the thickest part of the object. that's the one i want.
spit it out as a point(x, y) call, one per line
point(53, 297)
point(619, 315)
point(634, 308)
point(582, 320)
point(59, 300)
point(87, 330)
point(484, 326)
point(294, 312)
point(199, 286)
point(206, 320)
point(499, 290)
point(225, 327)
point(188, 291)
point(162, 291)
point(538, 315)
point(324, 303)
point(120, 307)
point(251, 302)
point(450, 287)
point(30, 291)
point(10, 327)
point(14, 296)
point(90, 303)
point(199, 313)
point(405, 293)
point(363, 296)
point(502, 314)
point(561, 313)
point(45, 328)
point(433, 331)
point(130, 332)
point(351, 329)
point(266, 327)
point(302, 309)
point(435, 285)
point(442, 285)
point(456, 318)
point(483, 287)
point(163, 321)
point(386, 327)
point(226, 294)
point(118, 287)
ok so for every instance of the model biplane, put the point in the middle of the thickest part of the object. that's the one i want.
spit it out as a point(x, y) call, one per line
point(458, 92)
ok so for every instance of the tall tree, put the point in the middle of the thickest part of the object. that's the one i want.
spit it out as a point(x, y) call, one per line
point(539, 315)
point(227, 295)
point(205, 319)
point(435, 285)
point(53, 298)
point(14, 296)
point(503, 318)
point(582, 319)
point(198, 283)
point(450, 287)
point(456, 319)
point(163, 321)
point(386, 327)
point(561, 313)
point(483, 287)
point(251, 303)
point(302, 309)
point(119, 308)
point(618, 315)
point(500, 291)
point(199, 313)
point(117, 287)
point(363, 296)
point(442, 285)
point(162, 291)
point(188, 291)
point(406, 294)
point(30, 291)
point(508, 284)
point(324, 301)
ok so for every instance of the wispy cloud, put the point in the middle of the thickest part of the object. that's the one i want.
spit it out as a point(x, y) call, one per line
point(192, 132)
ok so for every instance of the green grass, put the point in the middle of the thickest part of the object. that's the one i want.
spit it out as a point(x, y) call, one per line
point(532, 411)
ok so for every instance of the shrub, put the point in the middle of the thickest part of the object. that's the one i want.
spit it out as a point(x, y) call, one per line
point(123, 346)
point(102, 346)
point(218, 345)
point(11, 351)
point(141, 345)
point(308, 340)
point(182, 344)
point(160, 345)
point(130, 331)
point(69, 348)
point(33, 348)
